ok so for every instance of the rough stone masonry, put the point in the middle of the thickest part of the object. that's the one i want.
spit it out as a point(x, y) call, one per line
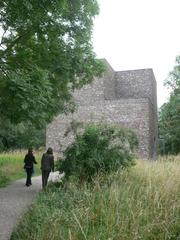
point(125, 98)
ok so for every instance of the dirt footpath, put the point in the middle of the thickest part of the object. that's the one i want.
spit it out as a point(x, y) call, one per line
point(14, 200)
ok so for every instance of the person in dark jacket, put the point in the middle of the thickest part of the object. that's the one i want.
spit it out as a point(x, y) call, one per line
point(47, 165)
point(29, 161)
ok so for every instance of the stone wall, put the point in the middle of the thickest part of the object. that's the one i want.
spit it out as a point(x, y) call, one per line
point(125, 113)
point(126, 98)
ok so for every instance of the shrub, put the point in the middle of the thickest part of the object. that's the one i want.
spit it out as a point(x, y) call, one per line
point(99, 148)
point(3, 179)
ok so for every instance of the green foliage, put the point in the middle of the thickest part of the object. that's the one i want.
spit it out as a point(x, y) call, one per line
point(100, 148)
point(169, 115)
point(173, 81)
point(142, 203)
point(20, 136)
point(169, 126)
point(45, 52)
point(3, 179)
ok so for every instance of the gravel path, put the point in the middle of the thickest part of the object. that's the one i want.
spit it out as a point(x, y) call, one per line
point(14, 200)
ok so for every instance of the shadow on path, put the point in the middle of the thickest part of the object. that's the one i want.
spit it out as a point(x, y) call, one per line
point(14, 200)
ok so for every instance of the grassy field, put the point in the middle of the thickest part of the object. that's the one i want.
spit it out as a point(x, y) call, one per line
point(11, 166)
point(143, 203)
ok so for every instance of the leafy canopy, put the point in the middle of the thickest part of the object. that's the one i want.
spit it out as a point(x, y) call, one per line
point(45, 52)
point(169, 116)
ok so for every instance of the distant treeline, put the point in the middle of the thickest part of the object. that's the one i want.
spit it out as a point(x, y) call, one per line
point(169, 115)
point(20, 136)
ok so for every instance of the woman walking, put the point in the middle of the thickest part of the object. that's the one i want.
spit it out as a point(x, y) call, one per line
point(47, 165)
point(29, 161)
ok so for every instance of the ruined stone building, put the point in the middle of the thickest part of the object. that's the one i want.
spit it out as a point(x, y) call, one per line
point(125, 98)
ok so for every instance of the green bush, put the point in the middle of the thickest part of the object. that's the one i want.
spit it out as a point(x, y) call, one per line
point(3, 179)
point(100, 148)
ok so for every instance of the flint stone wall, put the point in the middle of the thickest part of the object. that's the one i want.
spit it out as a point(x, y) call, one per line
point(126, 98)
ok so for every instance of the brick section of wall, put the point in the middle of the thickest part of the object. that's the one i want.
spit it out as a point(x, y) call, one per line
point(153, 131)
point(126, 98)
point(90, 93)
point(109, 83)
point(135, 84)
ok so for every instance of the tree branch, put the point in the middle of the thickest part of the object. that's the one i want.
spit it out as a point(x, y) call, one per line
point(4, 73)
point(12, 45)
point(3, 37)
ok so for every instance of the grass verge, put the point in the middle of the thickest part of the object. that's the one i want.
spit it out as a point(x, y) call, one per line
point(143, 203)
point(11, 166)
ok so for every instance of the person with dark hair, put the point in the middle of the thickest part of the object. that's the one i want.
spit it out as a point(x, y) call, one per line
point(47, 165)
point(29, 162)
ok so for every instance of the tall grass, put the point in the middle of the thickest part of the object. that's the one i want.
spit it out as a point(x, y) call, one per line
point(11, 166)
point(143, 203)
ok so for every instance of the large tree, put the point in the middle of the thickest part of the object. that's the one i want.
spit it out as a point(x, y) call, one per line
point(169, 116)
point(45, 52)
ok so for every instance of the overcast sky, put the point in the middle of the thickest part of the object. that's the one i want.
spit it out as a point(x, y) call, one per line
point(136, 34)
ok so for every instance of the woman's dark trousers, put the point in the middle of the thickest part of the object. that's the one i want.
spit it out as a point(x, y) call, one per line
point(29, 174)
point(45, 175)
